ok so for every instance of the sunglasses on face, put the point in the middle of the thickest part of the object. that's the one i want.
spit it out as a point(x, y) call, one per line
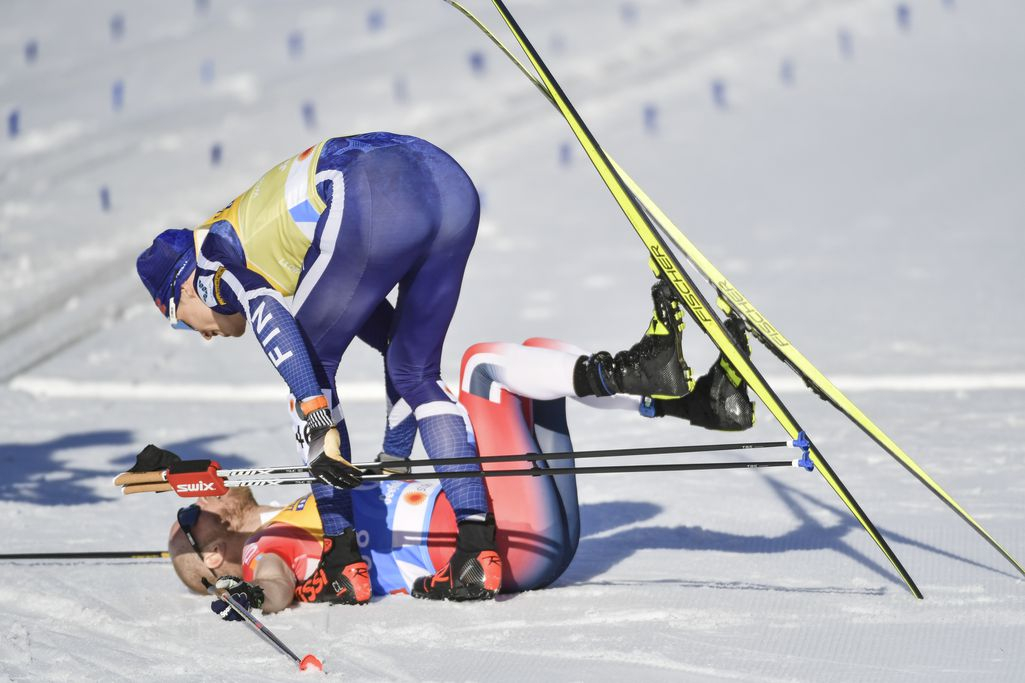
point(187, 518)
point(172, 307)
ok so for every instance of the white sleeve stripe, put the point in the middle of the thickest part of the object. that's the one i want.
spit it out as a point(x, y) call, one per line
point(328, 237)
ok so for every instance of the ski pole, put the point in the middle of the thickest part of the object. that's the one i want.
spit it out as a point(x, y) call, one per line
point(533, 457)
point(158, 477)
point(309, 662)
point(101, 555)
point(208, 483)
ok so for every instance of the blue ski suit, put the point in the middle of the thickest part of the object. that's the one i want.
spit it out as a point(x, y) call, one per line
point(336, 228)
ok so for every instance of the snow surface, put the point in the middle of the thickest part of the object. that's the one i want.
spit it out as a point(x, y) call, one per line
point(871, 206)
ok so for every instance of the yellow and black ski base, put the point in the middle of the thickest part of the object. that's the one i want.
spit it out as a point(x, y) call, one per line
point(645, 215)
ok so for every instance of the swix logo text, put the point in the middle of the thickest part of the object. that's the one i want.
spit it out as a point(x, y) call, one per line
point(198, 486)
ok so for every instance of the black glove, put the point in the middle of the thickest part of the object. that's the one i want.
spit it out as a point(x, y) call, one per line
point(247, 595)
point(329, 466)
point(153, 459)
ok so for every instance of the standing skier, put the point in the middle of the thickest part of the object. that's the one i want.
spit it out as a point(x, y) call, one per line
point(336, 228)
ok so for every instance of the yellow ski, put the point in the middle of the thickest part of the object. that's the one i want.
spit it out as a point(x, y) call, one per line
point(689, 293)
point(733, 302)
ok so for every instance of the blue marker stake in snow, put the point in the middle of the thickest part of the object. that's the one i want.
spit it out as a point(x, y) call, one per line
point(628, 13)
point(117, 95)
point(845, 42)
point(400, 89)
point(13, 124)
point(651, 118)
point(206, 71)
point(215, 154)
point(295, 44)
point(105, 198)
point(477, 64)
point(31, 51)
point(117, 27)
point(375, 20)
point(309, 114)
point(565, 154)
point(719, 93)
point(904, 17)
point(786, 72)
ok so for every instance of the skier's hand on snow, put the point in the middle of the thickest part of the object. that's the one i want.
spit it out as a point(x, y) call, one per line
point(328, 465)
point(247, 595)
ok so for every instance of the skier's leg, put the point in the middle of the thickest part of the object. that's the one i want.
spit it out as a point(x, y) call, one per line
point(427, 299)
point(551, 431)
point(538, 525)
point(350, 268)
point(428, 294)
point(539, 369)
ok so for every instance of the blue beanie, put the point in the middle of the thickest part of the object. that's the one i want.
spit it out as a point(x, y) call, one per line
point(172, 253)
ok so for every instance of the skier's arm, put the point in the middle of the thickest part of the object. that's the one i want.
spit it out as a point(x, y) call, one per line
point(277, 581)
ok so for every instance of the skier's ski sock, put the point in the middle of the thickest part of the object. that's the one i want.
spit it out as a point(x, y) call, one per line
point(446, 433)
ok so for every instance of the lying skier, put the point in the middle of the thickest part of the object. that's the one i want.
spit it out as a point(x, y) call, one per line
point(406, 528)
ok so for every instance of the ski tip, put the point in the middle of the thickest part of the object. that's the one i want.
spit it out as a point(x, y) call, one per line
point(311, 663)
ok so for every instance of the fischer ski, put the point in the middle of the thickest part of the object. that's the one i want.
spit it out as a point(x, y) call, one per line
point(732, 302)
point(690, 296)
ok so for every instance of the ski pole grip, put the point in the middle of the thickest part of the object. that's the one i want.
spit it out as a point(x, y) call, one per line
point(196, 478)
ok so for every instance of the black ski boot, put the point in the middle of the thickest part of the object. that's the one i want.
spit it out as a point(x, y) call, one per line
point(474, 572)
point(654, 366)
point(719, 400)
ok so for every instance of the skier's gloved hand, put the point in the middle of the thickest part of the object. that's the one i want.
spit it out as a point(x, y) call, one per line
point(336, 471)
point(328, 465)
point(247, 595)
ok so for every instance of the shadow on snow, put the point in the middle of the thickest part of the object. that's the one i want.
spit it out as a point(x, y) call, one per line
point(599, 551)
point(55, 472)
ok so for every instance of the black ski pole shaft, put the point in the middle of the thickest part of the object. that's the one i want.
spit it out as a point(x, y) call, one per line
point(525, 457)
point(602, 453)
point(532, 472)
point(100, 555)
point(601, 469)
